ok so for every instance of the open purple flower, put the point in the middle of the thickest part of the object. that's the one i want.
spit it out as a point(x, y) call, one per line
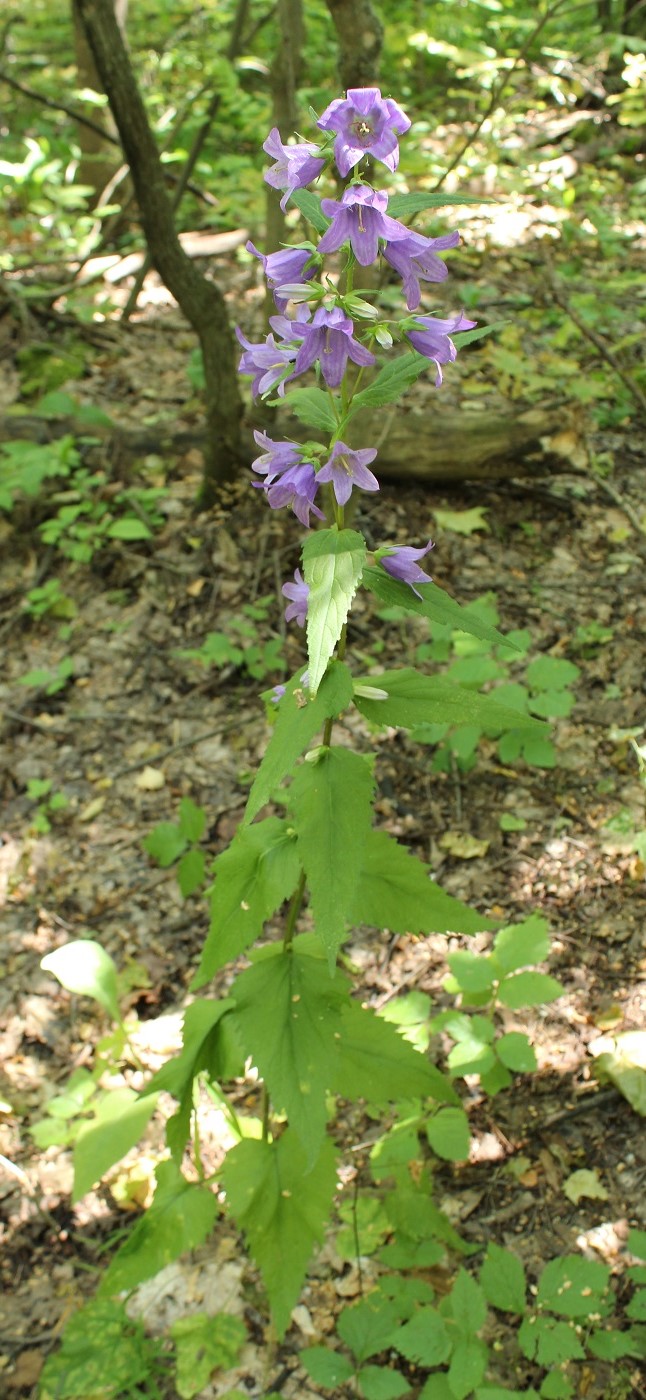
point(360, 218)
point(283, 268)
point(267, 361)
point(367, 124)
point(433, 339)
point(329, 339)
point(295, 487)
point(298, 592)
point(346, 469)
point(401, 563)
point(276, 458)
point(416, 260)
point(295, 165)
point(291, 328)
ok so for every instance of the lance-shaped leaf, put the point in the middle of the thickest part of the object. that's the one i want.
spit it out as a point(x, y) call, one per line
point(400, 206)
point(180, 1217)
point(253, 877)
point(393, 891)
point(434, 603)
point(310, 205)
point(204, 1048)
point(331, 804)
point(377, 1064)
point(312, 406)
point(333, 561)
point(283, 1209)
point(120, 1120)
point(300, 716)
point(413, 698)
point(288, 1015)
point(392, 381)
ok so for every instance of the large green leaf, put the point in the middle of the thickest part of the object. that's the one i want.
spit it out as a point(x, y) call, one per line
point(412, 698)
point(391, 381)
point(425, 1339)
point(312, 406)
point(84, 967)
point(253, 877)
point(401, 205)
point(300, 716)
point(434, 603)
point(331, 803)
point(120, 1120)
point(377, 1064)
point(333, 561)
point(283, 1209)
point(180, 1217)
point(310, 205)
point(393, 891)
point(288, 1014)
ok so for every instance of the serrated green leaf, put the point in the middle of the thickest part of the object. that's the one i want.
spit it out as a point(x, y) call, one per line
point(300, 716)
point(473, 972)
point(573, 1286)
point(333, 561)
point(516, 1053)
point(288, 1015)
point(424, 1340)
point(253, 877)
point(392, 381)
point(205, 1342)
point(84, 967)
point(393, 891)
point(551, 673)
point(191, 871)
point(413, 698)
point(331, 805)
point(312, 406)
point(529, 989)
point(448, 1134)
point(180, 1217)
point(282, 1209)
point(310, 205)
point(118, 1125)
point(366, 1325)
point(467, 1304)
point(192, 820)
point(613, 1345)
point(382, 1383)
point(502, 1279)
point(326, 1367)
point(518, 945)
point(468, 1366)
point(434, 604)
point(165, 843)
point(377, 1064)
point(549, 1342)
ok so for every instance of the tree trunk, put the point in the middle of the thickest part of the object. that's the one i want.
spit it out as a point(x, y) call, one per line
point(284, 79)
point(97, 163)
point(360, 34)
point(200, 300)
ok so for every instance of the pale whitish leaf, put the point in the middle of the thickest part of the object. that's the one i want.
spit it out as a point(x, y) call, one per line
point(331, 803)
point(391, 381)
point(288, 1019)
point(434, 604)
point(448, 1134)
point(204, 1342)
point(377, 1064)
point(393, 891)
point(413, 698)
point(333, 562)
point(300, 716)
point(310, 205)
point(119, 1123)
point(253, 877)
point(84, 967)
point(180, 1217)
point(282, 1208)
point(529, 989)
point(584, 1183)
point(518, 945)
point(622, 1059)
point(312, 406)
point(502, 1279)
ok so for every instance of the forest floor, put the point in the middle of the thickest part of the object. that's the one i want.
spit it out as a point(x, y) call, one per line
point(138, 726)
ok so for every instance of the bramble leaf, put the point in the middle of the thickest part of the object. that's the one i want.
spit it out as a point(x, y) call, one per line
point(529, 989)
point(518, 945)
point(300, 716)
point(282, 1209)
point(573, 1286)
point(425, 1339)
point(253, 877)
point(165, 843)
point(502, 1279)
point(331, 804)
point(333, 562)
point(448, 1134)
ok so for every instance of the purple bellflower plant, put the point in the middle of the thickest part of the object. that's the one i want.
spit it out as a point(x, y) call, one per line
point(360, 218)
point(295, 165)
point(330, 340)
point(402, 562)
point(298, 592)
point(366, 125)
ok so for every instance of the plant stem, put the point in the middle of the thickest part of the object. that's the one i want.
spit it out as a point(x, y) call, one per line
point(294, 911)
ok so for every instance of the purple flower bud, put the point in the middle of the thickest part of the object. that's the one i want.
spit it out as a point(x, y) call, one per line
point(277, 692)
point(267, 361)
point(432, 339)
point(346, 469)
point(295, 487)
point(299, 593)
point(295, 165)
point(415, 259)
point(282, 268)
point(276, 458)
point(401, 563)
point(360, 219)
point(366, 125)
point(329, 340)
